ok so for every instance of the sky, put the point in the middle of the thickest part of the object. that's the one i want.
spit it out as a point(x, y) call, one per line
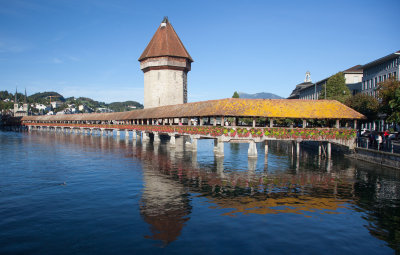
point(91, 48)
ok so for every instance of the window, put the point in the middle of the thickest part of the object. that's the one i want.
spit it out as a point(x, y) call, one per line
point(376, 79)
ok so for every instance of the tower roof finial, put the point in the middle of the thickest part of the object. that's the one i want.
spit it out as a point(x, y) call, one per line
point(164, 22)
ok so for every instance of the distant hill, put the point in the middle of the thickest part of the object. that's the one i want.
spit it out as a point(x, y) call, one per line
point(125, 106)
point(261, 95)
point(44, 97)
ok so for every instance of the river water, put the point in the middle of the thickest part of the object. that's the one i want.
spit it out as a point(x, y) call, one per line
point(79, 194)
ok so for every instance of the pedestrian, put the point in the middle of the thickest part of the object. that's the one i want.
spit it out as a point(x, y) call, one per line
point(379, 141)
point(386, 139)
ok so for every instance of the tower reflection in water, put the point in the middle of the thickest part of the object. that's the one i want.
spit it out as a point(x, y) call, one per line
point(165, 204)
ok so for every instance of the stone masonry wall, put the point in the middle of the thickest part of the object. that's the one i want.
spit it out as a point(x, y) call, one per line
point(164, 87)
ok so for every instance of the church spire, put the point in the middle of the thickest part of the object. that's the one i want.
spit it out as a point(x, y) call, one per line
point(15, 96)
point(25, 96)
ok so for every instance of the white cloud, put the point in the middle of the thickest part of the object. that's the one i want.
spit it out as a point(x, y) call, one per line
point(73, 58)
point(12, 47)
point(57, 61)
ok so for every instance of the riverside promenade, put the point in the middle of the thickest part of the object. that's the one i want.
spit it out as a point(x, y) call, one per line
point(325, 121)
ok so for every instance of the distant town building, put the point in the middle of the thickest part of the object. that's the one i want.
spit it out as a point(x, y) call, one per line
point(165, 63)
point(56, 104)
point(84, 108)
point(312, 91)
point(41, 107)
point(102, 110)
point(20, 110)
point(380, 70)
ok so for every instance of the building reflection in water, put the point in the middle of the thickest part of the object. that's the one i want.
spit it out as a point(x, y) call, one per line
point(308, 186)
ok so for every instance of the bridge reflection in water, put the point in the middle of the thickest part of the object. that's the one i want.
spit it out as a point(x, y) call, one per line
point(282, 184)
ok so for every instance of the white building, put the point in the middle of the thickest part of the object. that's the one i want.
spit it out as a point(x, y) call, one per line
point(56, 104)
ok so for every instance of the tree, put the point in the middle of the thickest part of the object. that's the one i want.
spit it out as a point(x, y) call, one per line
point(336, 88)
point(394, 105)
point(235, 95)
point(364, 104)
point(386, 93)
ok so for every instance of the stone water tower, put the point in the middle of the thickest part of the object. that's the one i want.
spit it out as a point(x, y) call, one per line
point(165, 63)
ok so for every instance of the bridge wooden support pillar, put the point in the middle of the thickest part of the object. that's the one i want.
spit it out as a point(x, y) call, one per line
point(355, 124)
point(156, 137)
point(297, 149)
point(172, 141)
point(118, 133)
point(134, 134)
point(214, 121)
point(319, 149)
point(337, 123)
point(194, 143)
point(218, 148)
point(266, 152)
point(126, 134)
point(101, 131)
point(271, 123)
point(145, 136)
point(252, 151)
point(329, 149)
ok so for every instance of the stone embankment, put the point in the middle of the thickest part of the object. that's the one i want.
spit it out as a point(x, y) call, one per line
point(377, 157)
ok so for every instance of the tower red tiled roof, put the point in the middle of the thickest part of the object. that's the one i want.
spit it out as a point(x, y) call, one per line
point(165, 42)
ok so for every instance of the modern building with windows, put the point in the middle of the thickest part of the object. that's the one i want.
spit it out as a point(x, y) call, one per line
point(378, 71)
point(312, 91)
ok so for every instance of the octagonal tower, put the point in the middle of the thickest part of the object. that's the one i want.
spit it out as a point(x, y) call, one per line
point(165, 63)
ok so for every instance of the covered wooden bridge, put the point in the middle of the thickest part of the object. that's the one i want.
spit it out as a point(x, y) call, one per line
point(225, 120)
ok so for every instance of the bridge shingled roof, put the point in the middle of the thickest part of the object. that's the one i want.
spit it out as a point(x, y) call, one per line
point(229, 107)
